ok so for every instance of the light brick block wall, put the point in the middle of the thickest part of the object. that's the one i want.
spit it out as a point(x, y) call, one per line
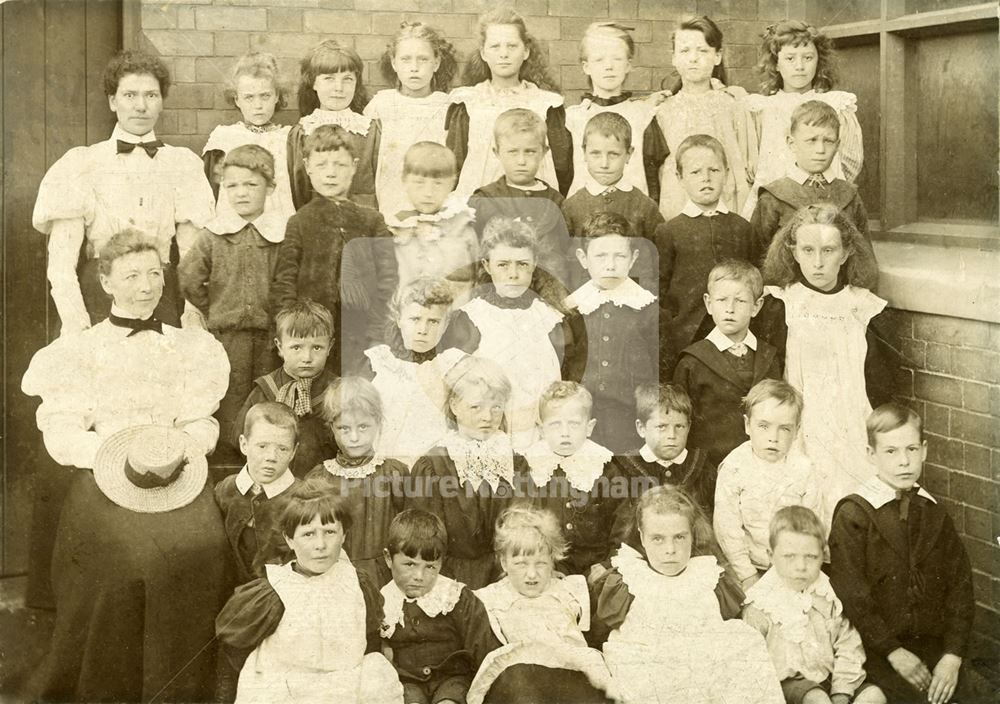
point(200, 39)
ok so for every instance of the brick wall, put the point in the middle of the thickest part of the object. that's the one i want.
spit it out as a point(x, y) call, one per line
point(199, 39)
point(954, 369)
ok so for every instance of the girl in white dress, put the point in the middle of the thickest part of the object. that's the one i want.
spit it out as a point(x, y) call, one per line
point(540, 618)
point(421, 63)
point(255, 88)
point(673, 615)
point(820, 275)
point(311, 625)
point(797, 62)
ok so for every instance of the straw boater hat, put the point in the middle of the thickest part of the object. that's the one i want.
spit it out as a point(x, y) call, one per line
point(143, 469)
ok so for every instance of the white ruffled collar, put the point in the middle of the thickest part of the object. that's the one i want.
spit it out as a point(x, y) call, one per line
point(360, 472)
point(269, 224)
point(440, 600)
point(346, 118)
point(582, 468)
point(789, 607)
point(454, 205)
point(476, 461)
point(501, 597)
point(701, 573)
point(590, 296)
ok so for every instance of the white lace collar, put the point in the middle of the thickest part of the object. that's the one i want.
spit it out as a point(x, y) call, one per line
point(590, 296)
point(501, 597)
point(878, 493)
point(346, 118)
point(701, 573)
point(440, 600)
point(453, 205)
point(582, 468)
point(269, 224)
point(490, 460)
point(360, 472)
point(789, 607)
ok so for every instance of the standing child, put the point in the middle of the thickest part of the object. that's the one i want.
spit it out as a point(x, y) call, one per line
point(467, 479)
point(252, 500)
point(899, 565)
point(409, 371)
point(760, 476)
point(255, 88)
point(435, 235)
point(508, 71)
point(370, 481)
point(823, 316)
point(540, 617)
point(337, 252)
point(606, 53)
point(332, 92)
point(435, 629)
point(421, 64)
point(719, 370)
point(673, 615)
point(621, 321)
point(816, 651)
point(704, 233)
point(304, 332)
point(510, 324)
point(307, 632)
point(226, 276)
point(702, 104)
point(798, 65)
point(571, 476)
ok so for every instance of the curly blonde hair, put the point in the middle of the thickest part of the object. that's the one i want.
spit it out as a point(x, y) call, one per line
point(523, 530)
point(257, 64)
point(442, 48)
point(796, 33)
point(534, 68)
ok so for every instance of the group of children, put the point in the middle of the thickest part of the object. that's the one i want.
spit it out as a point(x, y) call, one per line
point(441, 461)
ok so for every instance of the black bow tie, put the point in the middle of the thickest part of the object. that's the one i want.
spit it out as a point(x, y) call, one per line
point(137, 325)
point(905, 496)
point(149, 147)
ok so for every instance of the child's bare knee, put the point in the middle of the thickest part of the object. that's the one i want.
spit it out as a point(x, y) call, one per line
point(870, 695)
point(816, 696)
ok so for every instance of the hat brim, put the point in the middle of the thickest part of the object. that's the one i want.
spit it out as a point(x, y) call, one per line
point(109, 473)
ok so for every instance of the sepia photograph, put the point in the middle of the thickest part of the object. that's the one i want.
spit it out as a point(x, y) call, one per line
point(500, 351)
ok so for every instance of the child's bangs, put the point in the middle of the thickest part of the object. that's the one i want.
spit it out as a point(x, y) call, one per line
point(334, 61)
point(428, 550)
point(526, 542)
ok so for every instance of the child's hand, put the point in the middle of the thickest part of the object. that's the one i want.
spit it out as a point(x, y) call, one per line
point(910, 668)
point(750, 581)
point(840, 699)
point(658, 97)
point(596, 572)
point(192, 317)
point(944, 680)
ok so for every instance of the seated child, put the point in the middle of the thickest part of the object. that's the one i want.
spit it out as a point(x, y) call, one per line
point(760, 476)
point(304, 331)
point(520, 144)
point(337, 252)
point(571, 476)
point(704, 233)
point(510, 324)
point(813, 139)
point(310, 627)
point(901, 569)
point(621, 322)
point(370, 481)
point(670, 615)
point(252, 500)
point(409, 371)
point(718, 371)
point(816, 651)
point(227, 273)
point(436, 237)
point(468, 479)
point(540, 618)
point(435, 630)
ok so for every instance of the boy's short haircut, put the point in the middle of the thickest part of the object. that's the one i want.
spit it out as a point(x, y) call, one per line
point(561, 391)
point(254, 158)
point(419, 534)
point(605, 222)
point(815, 113)
point(525, 530)
point(889, 417)
point(314, 497)
point(737, 270)
point(518, 121)
point(272, 413)
point(650, 398)
point(304, 318)
point(425, 291)
point(132, 62)
point(327, 138)
point(782, 392)
point(128, 241)
point(796, 519)
point(430, 159)
point(609, 124)
point(511, 232)
point(705, 141)
point(352, 394)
